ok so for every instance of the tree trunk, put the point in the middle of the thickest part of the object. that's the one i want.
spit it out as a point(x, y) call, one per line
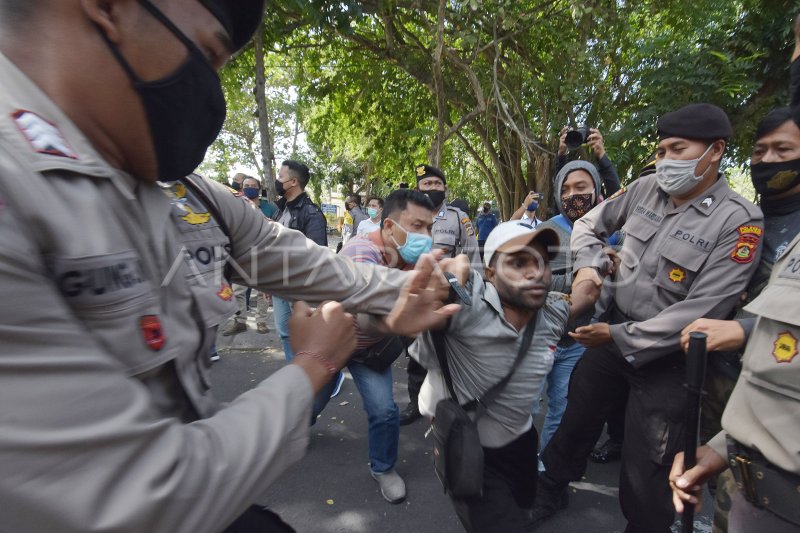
point(267, 138)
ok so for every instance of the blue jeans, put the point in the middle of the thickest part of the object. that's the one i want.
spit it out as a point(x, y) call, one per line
point(564, 362)
point(281, 311)
point(382, 413)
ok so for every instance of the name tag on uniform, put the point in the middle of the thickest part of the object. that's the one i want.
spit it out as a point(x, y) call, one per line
point(792, 268)
point(693, 239)
point(648, 214)
point(101, 280)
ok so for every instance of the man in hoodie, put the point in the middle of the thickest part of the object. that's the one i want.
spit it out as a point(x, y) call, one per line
point(578, 184)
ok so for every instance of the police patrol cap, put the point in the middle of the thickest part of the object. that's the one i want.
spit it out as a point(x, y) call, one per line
point(240, 18)
point(516, 235)
point(427, 171)
point(703, 122)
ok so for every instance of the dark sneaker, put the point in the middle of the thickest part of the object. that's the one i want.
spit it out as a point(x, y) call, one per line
point(410, 414)
point(236, 327)
point(551, 497)
point(610, 450)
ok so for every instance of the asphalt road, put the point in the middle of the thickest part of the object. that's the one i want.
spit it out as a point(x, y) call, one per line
point(330, 490)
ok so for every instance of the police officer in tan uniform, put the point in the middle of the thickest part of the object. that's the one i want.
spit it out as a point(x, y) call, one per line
point(452, 229)
point(114, 283)
point(760, 441)
point(452, 232)
point(691, 246)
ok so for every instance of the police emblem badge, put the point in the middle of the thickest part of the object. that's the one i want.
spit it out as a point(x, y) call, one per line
point(676, 275)
point(785, 347)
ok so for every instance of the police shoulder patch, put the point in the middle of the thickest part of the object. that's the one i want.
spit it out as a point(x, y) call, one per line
point(745, 247)
point(617, 194)
point(238, 194)
point(468, 226)
point(43, 136)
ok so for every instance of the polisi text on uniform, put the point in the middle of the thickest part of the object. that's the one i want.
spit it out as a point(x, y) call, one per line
point(101, 280)
point(691, 239)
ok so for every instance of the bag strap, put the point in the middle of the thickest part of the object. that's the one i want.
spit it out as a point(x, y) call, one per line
point(441, 355)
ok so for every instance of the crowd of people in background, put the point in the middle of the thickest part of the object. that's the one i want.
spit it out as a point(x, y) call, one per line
point(119, 273)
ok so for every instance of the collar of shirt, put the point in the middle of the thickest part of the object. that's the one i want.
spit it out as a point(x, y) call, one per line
point(706, 202)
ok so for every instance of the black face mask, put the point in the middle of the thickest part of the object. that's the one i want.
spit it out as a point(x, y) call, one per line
point(279, 188)
point(185, 110)
point(236, 186)
point(437, 197)
point(774, 178)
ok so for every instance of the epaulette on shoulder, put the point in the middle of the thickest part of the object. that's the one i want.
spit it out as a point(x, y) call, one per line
point(238, 194)
point(753, 211)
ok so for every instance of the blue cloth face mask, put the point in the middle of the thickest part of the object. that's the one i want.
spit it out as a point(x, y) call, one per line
point(416, 245)
point(251, 192)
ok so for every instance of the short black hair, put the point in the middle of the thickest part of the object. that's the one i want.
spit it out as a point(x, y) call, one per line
point(299, 171)
point(399, 200)
point(379, 200)
point(774, 120)
point(249, 177)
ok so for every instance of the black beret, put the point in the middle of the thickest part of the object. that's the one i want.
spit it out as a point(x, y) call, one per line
point(703, 122)
point(427, 171)
point(240, 18)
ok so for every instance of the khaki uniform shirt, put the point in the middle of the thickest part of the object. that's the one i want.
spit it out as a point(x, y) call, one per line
point(677, 263)
point(764, 410)
point(453, 233)
point(112, 291)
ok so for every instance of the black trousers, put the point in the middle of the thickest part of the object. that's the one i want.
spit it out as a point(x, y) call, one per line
point(654, 430)
point(509, 488)
point(257, 519)
point(416, 375)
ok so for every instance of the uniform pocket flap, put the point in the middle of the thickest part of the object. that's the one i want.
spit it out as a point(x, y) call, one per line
point(640, 230)
point(683, 255)
point(776, 302)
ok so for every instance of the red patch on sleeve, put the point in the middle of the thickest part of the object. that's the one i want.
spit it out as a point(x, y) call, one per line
point(745, 248)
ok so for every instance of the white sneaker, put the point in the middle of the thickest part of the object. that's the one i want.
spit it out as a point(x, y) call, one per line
point(393, 488)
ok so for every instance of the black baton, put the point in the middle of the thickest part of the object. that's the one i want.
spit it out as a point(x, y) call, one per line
point(695, 376)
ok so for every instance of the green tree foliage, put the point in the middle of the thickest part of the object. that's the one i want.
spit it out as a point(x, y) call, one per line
point(482, 87)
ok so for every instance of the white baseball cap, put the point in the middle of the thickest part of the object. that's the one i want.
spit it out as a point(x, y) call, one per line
point(515, 235)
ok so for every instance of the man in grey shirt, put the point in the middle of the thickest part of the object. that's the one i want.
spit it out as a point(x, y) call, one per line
point(481, 345)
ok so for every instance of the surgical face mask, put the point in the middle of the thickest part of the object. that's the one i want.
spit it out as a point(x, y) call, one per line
point(774, 178)
point(437, 197)
point(252, 192)
point(372, 212)
point(577, 205)
point(677, 177)
point(185, 110)
point(416, 245)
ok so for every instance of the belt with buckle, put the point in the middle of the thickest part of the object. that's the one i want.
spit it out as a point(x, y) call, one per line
point(763, 484)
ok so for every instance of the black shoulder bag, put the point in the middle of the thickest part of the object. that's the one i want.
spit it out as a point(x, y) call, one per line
point(457, 450)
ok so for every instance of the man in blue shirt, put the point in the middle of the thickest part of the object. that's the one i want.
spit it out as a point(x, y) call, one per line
point(485, 223)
